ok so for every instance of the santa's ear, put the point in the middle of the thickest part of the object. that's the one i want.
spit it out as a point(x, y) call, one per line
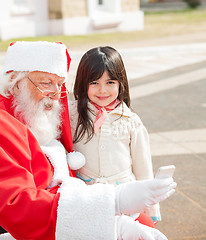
point(16, 89)
point(13, 75)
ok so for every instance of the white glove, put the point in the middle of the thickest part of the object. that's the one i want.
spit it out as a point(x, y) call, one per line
point(128, 229)
point(133, 197)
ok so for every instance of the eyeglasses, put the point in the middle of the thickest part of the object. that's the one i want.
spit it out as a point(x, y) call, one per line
point(50, 93)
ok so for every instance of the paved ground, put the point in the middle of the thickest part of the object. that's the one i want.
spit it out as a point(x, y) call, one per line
point(174, 111)
point(167, 82)
point(172, 104)
point(170, 99)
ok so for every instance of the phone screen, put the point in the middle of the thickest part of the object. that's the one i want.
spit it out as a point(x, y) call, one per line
point(165, 171)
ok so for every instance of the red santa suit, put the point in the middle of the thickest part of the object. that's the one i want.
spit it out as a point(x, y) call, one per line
point(29, 209)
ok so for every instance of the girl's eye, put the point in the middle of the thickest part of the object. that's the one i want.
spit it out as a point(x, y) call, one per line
point(111, 82)
point(93, 83)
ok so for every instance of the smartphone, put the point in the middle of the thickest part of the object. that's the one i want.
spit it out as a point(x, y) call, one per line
point(165, 171)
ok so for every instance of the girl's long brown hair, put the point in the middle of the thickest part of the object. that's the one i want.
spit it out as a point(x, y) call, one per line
point(91, 67)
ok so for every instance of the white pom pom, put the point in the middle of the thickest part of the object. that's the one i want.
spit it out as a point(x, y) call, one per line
point(76, 160)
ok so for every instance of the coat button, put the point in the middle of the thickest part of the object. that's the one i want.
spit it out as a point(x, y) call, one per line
point(103, 147)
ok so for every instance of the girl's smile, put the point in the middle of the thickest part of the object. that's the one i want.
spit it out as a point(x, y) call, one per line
point(102, 98)
point(103, 91)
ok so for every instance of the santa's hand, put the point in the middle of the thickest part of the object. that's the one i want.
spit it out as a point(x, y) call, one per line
point(134, 196)
point(128, 229)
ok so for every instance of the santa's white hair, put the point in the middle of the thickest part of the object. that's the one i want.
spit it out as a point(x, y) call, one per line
point(44, 124)
point(8, 80)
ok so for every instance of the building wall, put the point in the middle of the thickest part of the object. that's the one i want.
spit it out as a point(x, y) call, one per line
point(25, 18)
point(130, 5)
point(74, 8)
point(29, 18)
point(59, 9)
point(55, 9)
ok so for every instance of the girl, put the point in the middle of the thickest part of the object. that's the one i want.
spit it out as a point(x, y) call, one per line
point(112, 138)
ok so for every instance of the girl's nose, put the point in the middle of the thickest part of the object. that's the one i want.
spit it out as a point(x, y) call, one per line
point(102, 88)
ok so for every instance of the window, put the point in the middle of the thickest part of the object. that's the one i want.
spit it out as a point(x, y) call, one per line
point(101, 5)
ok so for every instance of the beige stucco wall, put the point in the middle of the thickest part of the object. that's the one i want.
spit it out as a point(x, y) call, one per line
point(74, 8)
point(78, 8)
point(55, 9)
point(67, 8)
point(130, 5)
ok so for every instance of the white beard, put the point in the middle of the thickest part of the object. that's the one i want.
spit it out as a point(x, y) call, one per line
point(43, 124)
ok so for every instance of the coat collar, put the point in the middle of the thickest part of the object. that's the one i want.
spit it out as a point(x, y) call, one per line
point(121, 110)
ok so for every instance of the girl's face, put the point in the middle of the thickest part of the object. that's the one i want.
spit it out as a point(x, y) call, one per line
point(103, 91)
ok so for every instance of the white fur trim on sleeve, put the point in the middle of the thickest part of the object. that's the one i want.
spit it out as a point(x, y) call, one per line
point(56, 154)
point(37, 56)
point(85, 212)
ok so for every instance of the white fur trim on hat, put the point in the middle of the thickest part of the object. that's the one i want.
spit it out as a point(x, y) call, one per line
point(37, 56)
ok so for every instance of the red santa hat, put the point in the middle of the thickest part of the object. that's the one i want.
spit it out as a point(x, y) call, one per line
point(50, 57)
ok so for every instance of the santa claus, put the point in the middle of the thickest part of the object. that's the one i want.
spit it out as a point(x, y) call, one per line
point(39, 197)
